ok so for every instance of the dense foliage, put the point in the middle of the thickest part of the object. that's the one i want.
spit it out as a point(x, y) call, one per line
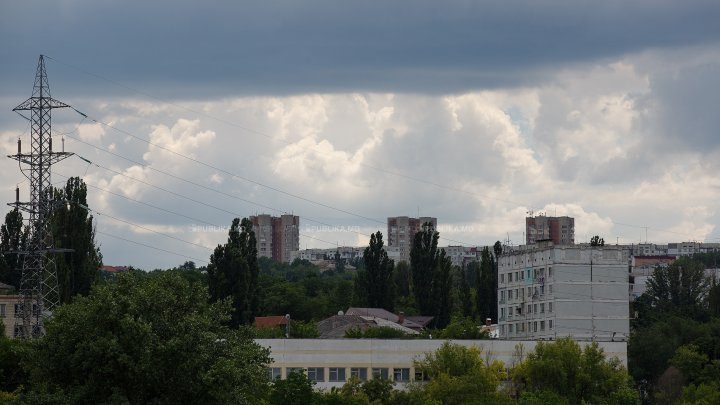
point(674, 348)
point(145, 339)
point(233, 272)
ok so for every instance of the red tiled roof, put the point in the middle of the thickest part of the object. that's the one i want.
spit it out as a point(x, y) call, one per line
point(114, 269)
point(269, 321)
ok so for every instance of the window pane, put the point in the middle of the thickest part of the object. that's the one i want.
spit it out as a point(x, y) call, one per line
point(337, 374)
point(358, 372)
point(316, 374)
point(380, 372)
point(401, 374)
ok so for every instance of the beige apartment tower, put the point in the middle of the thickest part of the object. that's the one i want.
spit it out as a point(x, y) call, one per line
point(277, 237)
point(560, 230)
point(401, 233)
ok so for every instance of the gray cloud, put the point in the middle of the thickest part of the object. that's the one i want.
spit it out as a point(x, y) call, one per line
point(190, 49)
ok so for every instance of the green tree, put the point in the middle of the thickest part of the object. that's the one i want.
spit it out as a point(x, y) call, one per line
point(403, 279)
point(487, 287)
point(681, 286)
point(464, 292)
point(73, 228)
point(458, 375)
point(12, 240)
point(13, 352)
point(597, 241)
point(295, 389)
point(146, 339)
point(424, 258)
point(376, 281)
point(578, 375)
point(442, 290)
point(233, 272)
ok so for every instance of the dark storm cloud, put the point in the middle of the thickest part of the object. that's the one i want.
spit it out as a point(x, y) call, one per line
point(196, 49)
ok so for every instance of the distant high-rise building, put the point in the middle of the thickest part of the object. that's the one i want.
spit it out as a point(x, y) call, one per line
point(277, 237)
point(401, 233)
point(560, 230)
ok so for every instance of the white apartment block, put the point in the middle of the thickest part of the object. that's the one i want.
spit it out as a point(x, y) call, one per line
point(347, 253)
point(461, 255)
point(547, 291)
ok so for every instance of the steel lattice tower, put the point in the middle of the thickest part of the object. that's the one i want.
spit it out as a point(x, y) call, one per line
point(38, 284)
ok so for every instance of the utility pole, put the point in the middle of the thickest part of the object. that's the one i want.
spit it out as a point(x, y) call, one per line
point(39, 293)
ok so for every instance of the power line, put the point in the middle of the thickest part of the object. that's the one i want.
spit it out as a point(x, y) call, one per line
point(212, 189)
point(152, 247)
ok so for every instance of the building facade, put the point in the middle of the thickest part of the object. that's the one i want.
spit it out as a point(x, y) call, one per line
point(547, 291)
point(277, 237)
point(401, 233)
point(347, 253)
point(560, 230)
point(331, 362)
point(9, 301)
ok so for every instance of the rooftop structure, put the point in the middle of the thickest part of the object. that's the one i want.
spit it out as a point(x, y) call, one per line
point(560, 230)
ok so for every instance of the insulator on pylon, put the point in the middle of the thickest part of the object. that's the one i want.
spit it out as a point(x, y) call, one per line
point(50, 144)
point(17, 194)
point(19, 147)
point(63, 144)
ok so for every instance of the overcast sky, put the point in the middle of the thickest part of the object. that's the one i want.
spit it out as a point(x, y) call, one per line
point(345, 113)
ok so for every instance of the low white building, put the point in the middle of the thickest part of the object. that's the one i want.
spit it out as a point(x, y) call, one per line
point(547, 291)
point(331, 362)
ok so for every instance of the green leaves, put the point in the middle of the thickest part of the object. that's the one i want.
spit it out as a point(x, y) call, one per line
point(147, 339)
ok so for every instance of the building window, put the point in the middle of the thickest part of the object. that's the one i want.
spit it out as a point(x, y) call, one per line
point(542, 325)
point(359, 372)
point(2, 310)
point(502, 332)
point(502, 295)
point(337, 374)
point(529, 310)
point(509, 277)
point(502, 279)
point(401, 374)
point(420, 376)
point(510, 329)
point(18, 310)
point(274, 373)
point(542, 308)
point(550, 324)
point(549, 306)
point(380, 372)
point(316, 374)
point(510, 294)
point(535, 326)
point(550, 273)
point(550, 286)
point(535, 308)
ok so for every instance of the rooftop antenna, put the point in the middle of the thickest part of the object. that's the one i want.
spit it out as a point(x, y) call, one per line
point(39, 292)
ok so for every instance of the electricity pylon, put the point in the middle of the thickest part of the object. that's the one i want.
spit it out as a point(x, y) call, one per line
point(39, 293)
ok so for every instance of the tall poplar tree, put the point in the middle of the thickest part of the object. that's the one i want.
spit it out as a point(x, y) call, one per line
point(442, 290)
point(233, 272)
point(432, 276)
point(486, 287)
point(424, 257)
point(375, 283)
point(73, 228)
point(12, 240)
